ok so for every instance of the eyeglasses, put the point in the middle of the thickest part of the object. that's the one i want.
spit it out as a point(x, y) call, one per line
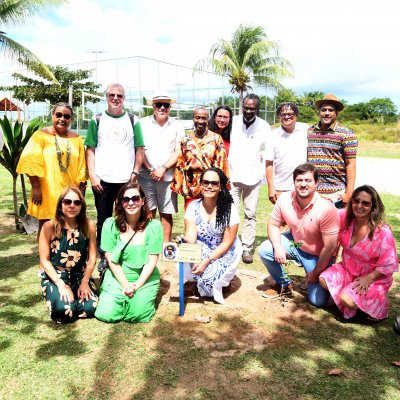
point(287, 115)
point(159, 104)
point(222, 117)
point(364, 203)
point(134, 198)
point(112, 95)
point(68, 202)
point(60, 114)
point(214, 184)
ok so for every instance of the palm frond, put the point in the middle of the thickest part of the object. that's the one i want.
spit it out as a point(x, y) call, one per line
point(16, 51)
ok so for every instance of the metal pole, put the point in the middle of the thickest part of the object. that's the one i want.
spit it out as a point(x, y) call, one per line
point(181, 291)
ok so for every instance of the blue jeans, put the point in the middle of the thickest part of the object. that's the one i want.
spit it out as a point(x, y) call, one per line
point(317, 295)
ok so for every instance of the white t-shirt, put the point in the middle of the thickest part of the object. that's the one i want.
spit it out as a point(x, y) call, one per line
point(115, 150)
point(246, 150)
point(287, 151)
point(160, 142)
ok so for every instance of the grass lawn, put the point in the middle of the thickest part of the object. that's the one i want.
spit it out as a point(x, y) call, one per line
point(252, 349)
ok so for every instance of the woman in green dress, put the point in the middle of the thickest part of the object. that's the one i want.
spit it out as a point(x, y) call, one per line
point(132, 242)
point(67, 250)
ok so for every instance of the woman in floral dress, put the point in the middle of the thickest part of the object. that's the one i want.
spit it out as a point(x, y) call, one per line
point(213, 222)
point(200, 149)
point(364, 276)
point(67, 250)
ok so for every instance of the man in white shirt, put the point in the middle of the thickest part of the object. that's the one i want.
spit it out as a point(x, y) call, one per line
point(286, 149)
point(114, 155)
point(248, 138)
point(162, 136)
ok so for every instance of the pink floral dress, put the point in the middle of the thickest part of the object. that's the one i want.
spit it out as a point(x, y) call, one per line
point(358, 260)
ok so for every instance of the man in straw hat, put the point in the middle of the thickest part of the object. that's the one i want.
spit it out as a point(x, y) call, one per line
point(162, 135)
point(332, 148)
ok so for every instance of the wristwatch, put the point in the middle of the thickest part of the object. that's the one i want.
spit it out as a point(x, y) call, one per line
point(150, 170)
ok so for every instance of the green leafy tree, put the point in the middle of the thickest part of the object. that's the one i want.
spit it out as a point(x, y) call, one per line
point(17, 12)
point(248, 57)
point(381, 109)
point(34, 90)
point(14, 143)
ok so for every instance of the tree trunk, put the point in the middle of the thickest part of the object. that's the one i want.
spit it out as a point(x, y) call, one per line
point(15, 201)
point(24, 191)
point(240, 102)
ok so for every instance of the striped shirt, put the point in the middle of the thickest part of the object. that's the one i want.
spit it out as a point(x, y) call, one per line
point(328, 151)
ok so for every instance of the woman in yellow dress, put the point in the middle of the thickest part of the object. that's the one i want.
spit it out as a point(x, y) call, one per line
point(53, 159)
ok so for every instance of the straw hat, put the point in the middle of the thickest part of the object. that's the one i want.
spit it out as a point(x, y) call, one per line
point(332, 99)
point(160, 95)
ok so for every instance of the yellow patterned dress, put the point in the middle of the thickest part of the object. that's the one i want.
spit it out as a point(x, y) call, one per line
point(39, 158)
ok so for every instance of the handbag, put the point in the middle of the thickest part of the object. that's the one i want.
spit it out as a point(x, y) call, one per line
point(102, 273)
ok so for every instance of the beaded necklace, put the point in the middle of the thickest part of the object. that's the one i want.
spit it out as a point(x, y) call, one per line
point(63, 168)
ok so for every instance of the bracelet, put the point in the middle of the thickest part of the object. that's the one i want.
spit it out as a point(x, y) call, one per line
point(165, 167)
point(150, 170)
point(134, 173)
point(211, 260)
point(55, 282)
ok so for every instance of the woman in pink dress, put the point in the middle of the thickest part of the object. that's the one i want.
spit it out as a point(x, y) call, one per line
point(364, 276)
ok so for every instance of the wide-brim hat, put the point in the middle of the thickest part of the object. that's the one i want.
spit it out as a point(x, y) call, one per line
point(332, 99)
point(160, 95)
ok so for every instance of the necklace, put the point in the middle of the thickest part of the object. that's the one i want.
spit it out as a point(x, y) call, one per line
point(200, 136)
point(63, 168)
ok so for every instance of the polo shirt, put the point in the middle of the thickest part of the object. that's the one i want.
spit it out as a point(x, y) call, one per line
point(328, 151)
point(286, 151)
point(161, 142)
point(245, 153)
point(115, 141)
point(307, 225)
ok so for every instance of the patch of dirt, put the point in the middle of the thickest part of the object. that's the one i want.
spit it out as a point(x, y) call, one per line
point(7, 224)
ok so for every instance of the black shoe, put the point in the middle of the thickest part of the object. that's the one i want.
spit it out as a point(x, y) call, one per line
point(396, 325)
point(247, 257)
point(103, 265)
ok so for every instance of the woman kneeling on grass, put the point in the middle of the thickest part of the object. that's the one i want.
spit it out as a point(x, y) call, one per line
point(132, 242)
point(213, 222)
point(67, 250)
point(364, 276)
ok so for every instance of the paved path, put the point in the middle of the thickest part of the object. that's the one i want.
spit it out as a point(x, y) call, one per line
point(381, 173)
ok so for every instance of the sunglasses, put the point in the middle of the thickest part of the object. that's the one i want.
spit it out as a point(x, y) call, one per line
point(363, 202)
point(60, 114)
point(159, 104)
point(68, 202)
point(214, 184)
point(135, 199)
point(112, 95)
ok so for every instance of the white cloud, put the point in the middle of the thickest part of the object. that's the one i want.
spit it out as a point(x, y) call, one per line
point(348, 48)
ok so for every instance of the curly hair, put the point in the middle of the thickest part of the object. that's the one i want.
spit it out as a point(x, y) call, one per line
point(120, 217)
point(66, 105)
point(226, 133)
point(376, 217)
point(59, 219)
point(224, 200)
point(290, 105)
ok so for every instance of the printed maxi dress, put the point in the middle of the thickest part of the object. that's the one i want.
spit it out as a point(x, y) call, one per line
point(358, 260)
point(220, 272)
point(68, 256)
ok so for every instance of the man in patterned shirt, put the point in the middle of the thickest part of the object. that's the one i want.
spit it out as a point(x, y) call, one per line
point(332, 148)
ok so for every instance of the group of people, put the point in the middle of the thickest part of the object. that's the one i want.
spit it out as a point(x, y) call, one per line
point(137, 167)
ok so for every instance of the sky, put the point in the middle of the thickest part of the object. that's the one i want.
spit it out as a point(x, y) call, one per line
point(349, 48)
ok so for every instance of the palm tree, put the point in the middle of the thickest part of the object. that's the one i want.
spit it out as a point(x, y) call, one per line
point(15, 12)
point(248, 57)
